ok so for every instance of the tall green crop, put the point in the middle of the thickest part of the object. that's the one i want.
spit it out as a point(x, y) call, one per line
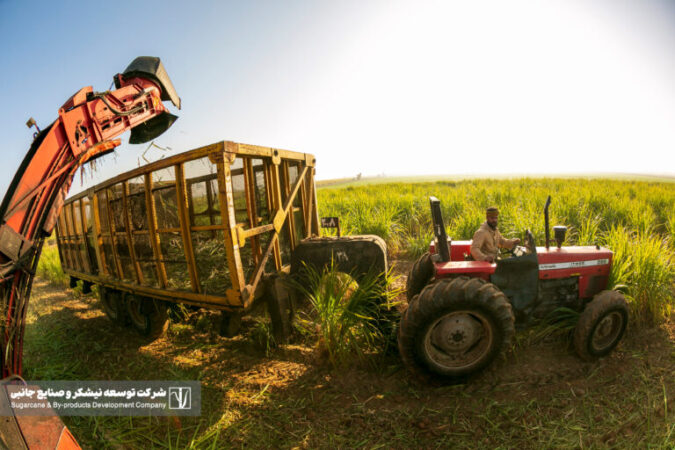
point(635, 219)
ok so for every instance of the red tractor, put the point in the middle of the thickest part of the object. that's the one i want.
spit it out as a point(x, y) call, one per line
point(462, 313)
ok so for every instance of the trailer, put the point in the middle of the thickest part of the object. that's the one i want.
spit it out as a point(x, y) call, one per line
point(220, 227)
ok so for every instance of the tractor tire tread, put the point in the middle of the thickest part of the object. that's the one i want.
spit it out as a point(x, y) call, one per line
point(421, 272)
point(601, 304)
point(441, 296)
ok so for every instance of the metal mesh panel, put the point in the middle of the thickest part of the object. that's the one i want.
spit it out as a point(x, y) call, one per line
point(250, 261)
point(89, 243)
point(201, 177)
point(136, 202)
point(164, 193)
point(211, 261)
point(117, 207)
point(108, 256)
point(77, 218)
point(260, 192)
point(239, 191)
point(70, 243)
point(146, 259)
point(285, 243)
point(103, 211)
point(299, 225)
point(173, 256)
point(122, 248)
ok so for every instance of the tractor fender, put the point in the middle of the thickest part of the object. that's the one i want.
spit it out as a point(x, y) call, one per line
point(355, 255)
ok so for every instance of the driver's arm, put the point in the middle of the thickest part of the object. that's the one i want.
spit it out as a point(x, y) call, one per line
point(507, 243)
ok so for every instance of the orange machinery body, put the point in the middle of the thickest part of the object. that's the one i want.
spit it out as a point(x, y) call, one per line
point(85, 129)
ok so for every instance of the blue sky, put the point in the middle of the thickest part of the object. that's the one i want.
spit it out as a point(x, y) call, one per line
point(395, 87)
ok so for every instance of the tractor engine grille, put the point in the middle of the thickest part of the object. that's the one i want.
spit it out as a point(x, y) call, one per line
point(558, 293)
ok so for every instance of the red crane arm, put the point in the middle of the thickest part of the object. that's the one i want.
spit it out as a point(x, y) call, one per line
point(85, 129)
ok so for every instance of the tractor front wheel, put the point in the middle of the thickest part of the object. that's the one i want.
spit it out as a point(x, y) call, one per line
point(601, 325)
point(420, 275)
point(455, 327)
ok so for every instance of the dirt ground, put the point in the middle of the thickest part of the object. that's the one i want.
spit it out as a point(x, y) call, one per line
point(539, 394)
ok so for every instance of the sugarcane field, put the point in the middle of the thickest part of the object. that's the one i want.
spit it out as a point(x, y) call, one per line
point(338, 225)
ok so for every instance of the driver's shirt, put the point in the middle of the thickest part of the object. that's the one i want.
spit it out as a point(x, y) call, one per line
point(486, 242)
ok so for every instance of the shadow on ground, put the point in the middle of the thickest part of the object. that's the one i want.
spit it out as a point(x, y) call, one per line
point(537, 395)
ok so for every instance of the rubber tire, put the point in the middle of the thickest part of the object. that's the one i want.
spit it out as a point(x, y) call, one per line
point(420, 275)
point(112, 304)
point(230, 324)
point(602, 304)
point(151, 320)
point(442, 297)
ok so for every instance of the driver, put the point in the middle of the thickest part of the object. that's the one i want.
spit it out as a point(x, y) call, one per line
point(487, 240)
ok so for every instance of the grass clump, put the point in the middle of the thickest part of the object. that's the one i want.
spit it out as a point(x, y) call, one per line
point(644, 268)
point(49, 266)
point(350, 319)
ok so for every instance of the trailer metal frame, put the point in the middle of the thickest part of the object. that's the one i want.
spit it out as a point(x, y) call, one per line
point(100, 247)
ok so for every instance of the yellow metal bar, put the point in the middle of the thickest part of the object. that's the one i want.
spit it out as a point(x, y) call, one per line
point(316, 229)
point(152, 229)
point(98, 238)
point(289, 217)
point(181, 193)
point(130, 240)
point(275, 191)
point(226, 199)
point(192, 298)
point(69, 257)
point(75, 252)
point(207, 150)
point(113, 236)
point(251, 208)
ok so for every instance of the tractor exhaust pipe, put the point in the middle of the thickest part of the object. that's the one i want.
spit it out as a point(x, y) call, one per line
point(439, 230)
point(546, 225)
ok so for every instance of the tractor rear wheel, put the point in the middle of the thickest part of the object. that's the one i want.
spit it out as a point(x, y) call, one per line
point(148, 316)
point(601, 325)
point(419, 276)
point(112, 303)
point(455, 327)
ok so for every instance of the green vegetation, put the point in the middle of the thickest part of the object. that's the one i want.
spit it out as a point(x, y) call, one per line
point(49, 266)
point(346, 315)
point(635, 219)
point(539, 395)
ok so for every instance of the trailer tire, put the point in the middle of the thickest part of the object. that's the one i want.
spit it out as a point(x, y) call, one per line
point(230, 324)
point(454, 328)
point(112, 303)
point(150, 317)
point(601, 325)
point(419, 276)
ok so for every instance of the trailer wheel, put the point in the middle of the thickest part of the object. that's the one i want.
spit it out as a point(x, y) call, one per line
point(601, 325)
point(148, 316)
point(113, 305)
point(419, 276)
point(455, 327)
